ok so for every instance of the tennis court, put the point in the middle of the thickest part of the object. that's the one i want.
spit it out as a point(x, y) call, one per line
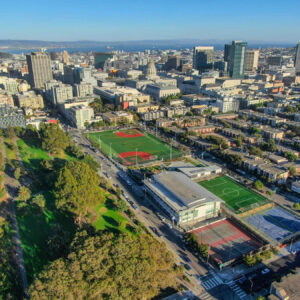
point(226, 240)
point(236, 196)
point(276, 223)
point(133, 146)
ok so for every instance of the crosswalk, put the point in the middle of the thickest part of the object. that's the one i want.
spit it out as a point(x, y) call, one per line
point(210, 280)
point(237, 290)
point(205, 296)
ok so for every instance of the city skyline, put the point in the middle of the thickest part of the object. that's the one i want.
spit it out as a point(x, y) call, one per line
point(119, 21)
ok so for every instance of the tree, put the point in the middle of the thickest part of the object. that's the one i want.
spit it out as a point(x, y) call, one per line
point(290, 156)
point(77, 188)
point(258, 185)
point(97, 105)
point(75, 151)
point(296, 206)
point(10, 133)
point(107, 266)
point(17, 173)
point(239, 141)
point(53, 138)
point(39, 200)
point(255, 151)
point(89, 160)
point(9, 287)
point(24, 193)
point(249, 260)
point(292, 171)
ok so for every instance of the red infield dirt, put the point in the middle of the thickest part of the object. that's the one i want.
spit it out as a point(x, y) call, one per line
point(132, 133)
point(144, 156)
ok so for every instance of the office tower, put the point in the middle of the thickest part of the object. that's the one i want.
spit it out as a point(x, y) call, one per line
point(235, 55)
point(203, 58)
point(39, 67)
point(65, 57)
point(53, 55)
point(252, 60)
point(274, 61)
point(297, 59)
point(100, 58)
point(173, 62)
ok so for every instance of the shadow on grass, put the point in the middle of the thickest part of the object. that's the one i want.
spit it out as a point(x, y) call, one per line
point(111, 221)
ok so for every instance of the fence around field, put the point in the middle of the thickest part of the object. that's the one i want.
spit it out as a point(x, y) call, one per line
point(163, 156)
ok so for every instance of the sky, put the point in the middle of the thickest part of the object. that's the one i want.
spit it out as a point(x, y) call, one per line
point(124, 20)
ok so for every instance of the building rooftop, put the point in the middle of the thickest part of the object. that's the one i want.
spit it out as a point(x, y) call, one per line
point(289, 286)
point(179, 191)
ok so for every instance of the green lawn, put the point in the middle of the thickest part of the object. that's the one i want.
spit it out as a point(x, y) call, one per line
point(106, 217)
point(109, 142)
point(237, 197)
point(31, 153)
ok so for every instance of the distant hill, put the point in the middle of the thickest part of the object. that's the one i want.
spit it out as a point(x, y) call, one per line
point(9, 44)
point(5, 55)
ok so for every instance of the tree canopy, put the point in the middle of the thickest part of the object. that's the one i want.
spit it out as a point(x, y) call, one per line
point(53, 138)
point(107, 266)
point(77, 188)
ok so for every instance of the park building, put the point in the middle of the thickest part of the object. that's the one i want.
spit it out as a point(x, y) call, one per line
point(184, 200)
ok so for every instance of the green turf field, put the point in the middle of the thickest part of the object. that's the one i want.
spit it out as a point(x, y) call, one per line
point(112, 144)
point(237, 197)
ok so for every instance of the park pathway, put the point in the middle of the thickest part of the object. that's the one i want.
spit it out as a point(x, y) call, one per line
point(12, 186)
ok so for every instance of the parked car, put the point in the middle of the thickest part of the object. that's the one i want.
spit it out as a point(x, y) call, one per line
point(265, 271)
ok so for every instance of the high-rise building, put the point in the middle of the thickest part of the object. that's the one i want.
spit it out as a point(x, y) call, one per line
point(297, 59)
point(235, 55)
point(274, 60)
point(252, 60)
point(173, 62)
point(65, 57)
point(203, 58)
point(39, 67)
point(100, 58)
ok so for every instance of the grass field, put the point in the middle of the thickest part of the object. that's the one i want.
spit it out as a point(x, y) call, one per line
point(237, 197)
point(105, 216)
point(131, 145)
point(31, 153)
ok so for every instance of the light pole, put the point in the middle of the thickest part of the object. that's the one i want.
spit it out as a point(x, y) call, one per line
point(110, 150)
point(136, 162)
point(100, 143)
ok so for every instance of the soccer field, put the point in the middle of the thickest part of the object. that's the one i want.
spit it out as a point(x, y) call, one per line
point(132, 145)
point(236, 196)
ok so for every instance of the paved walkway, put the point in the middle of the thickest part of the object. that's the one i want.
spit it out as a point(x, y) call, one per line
point(12, 187)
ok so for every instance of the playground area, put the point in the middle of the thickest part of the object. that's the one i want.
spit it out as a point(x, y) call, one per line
point(227, 242)
point(237, 197)
point(133, 146)
point(275, 223)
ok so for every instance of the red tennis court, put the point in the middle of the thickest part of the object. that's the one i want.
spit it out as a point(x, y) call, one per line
point(226, 240)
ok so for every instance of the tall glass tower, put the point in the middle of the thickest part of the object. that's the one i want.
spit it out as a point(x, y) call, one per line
point(297, 59)
point(235, 56)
